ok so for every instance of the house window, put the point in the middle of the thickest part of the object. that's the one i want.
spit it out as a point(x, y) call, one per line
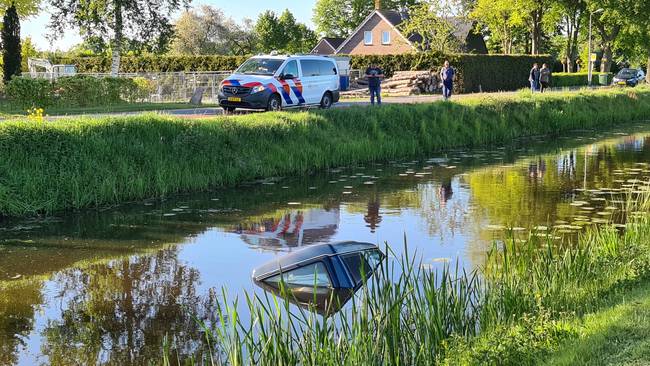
point(385, 37)
point(367, 38)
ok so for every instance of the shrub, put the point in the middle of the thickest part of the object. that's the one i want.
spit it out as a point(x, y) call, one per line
point(563, 79)
point(76, 91)
point(25, 92)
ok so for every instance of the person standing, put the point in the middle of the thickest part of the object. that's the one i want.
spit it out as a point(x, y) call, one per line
point(447, 75)
point(374, 75)
point(534, 78)
point(544, 78)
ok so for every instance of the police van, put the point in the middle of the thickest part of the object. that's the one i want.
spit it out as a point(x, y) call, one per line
point(274, 82)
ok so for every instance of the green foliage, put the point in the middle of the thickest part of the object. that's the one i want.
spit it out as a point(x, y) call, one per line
point(11, 51)
point(283, 33)
point(436, 32)
point(75, 91)
point(92, 162)
point(475, 72)
point(575, 79)
point(150, 63)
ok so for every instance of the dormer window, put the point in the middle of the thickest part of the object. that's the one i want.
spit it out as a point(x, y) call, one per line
point(367, 38)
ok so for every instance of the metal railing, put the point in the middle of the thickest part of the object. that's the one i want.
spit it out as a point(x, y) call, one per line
point(166, 86)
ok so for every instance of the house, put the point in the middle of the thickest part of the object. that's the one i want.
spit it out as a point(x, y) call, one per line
point(328, 46)
point(379, 34)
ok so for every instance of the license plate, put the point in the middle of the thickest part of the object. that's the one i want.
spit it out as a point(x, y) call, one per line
point(234, 99)
point(622, 83)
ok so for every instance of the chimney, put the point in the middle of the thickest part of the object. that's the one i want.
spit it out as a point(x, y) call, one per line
point(377, 4)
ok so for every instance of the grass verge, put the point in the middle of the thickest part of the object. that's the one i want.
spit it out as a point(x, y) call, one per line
point(8, 111)
point(84, 162)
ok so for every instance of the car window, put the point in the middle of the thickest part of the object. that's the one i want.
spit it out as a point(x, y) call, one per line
point(260, 66)
point(311, 275)
point(327, 67)
point(291, 68)
point(357, 266)
point(310, 68)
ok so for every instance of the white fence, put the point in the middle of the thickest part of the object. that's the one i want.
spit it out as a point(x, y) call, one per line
point(169, 86)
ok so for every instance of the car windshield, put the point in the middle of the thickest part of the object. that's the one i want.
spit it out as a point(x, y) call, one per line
point(626, 73)
point(260, 66)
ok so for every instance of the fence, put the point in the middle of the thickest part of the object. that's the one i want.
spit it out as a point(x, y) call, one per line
point(167, 86)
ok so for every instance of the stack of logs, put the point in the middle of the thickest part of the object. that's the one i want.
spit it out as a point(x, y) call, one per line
point(402, 83)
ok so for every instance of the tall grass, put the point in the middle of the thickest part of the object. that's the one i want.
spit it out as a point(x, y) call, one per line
point(510, 311)
point(85, 162)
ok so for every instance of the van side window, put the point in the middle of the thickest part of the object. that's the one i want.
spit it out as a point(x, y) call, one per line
point(291, 68)
point(310, 68)
point(327, 67)
point(311, 275)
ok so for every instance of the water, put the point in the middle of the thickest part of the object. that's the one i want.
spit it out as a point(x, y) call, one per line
point(107, 287)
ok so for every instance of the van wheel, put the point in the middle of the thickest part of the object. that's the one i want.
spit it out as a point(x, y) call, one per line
point(274, 104)
point(326, 102)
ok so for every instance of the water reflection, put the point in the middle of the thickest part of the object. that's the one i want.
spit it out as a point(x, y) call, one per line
point(105, 287)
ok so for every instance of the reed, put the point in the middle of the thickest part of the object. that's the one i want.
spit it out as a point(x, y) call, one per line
point(521, 304)
point(88, 162)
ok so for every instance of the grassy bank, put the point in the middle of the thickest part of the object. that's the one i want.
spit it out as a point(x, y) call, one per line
point(84, 162)
point(530, 302)
point(8, 110)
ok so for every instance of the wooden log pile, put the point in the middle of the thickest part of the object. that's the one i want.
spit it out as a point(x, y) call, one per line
point(402, 83)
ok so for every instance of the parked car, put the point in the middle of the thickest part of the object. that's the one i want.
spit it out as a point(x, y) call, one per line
point(324, 276)
point(629, 77)
point(272, 82)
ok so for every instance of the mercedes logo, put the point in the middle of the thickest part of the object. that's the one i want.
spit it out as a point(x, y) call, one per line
point(234, 90)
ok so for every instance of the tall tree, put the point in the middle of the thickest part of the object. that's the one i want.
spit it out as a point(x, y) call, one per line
point(339, 18)
point(147, 21)
point(436, 30)
point(11, 51)
point(573, 13)
point(283, 33)
point(503, 20)
point(202, 32)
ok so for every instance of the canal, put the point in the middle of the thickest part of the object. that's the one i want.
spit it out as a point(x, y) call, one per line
point(111, 286)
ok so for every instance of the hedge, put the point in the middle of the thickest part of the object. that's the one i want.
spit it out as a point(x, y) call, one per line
point(563, 79)
point(75, 91)
point(475, 72)
point(85, 162)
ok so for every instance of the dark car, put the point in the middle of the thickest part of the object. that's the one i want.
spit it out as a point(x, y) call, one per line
point(324, 276)
point(629, 77)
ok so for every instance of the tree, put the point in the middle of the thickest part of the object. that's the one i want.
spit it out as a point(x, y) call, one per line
point(203, 32)
point(11, 51)
point(27, 50)
point(339, 18)
point(283, 33)
point(147, 21)
point(503, 20)
point(573, 12)
point(436, 31)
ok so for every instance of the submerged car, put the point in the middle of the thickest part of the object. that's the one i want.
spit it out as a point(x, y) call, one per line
point(323, 276)
point(629, 77)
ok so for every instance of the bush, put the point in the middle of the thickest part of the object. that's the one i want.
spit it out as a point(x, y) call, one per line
point(563, 79)
point(76, 91)
point(26, 92)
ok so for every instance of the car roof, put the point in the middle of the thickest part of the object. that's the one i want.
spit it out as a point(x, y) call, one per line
point(292, 260)
point(289, 56)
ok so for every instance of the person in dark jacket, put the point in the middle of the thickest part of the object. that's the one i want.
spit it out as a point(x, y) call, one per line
point(374, 75)
point(447, 75)
point(534, 78)
point(544, 78)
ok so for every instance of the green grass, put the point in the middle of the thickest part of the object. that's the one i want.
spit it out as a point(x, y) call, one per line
point(616, 335)
point(87, 162)
point(521, 308)
point(9, 111)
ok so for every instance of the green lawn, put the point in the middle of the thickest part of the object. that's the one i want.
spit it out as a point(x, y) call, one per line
point(8, 111)
point(616, 335)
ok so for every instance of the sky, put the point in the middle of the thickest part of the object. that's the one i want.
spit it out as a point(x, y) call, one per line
point(36, 27)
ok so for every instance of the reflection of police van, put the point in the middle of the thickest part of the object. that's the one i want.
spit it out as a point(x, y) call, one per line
point(274, 82)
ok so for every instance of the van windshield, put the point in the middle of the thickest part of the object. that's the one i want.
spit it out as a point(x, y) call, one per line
point(260, 66)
